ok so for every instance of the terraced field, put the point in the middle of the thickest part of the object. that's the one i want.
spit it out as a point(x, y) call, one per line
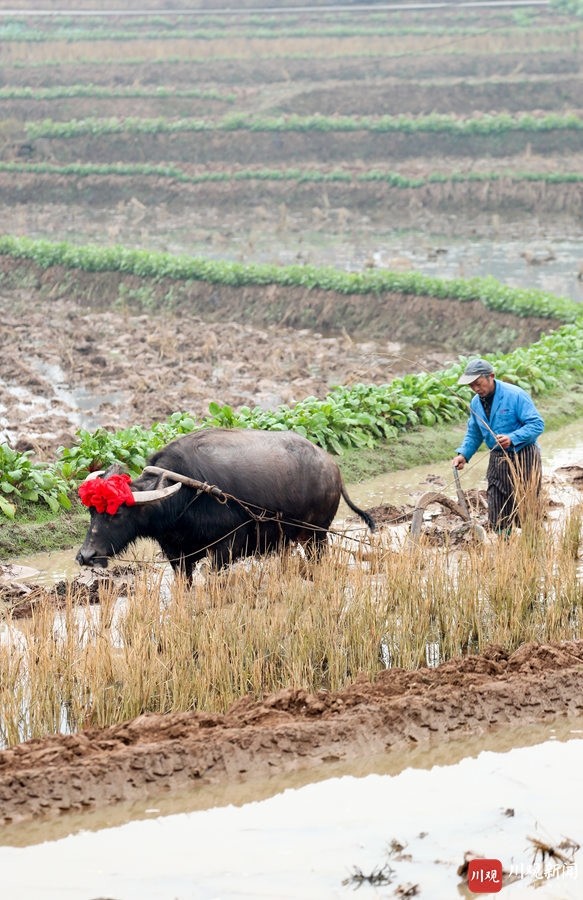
point(228, 128)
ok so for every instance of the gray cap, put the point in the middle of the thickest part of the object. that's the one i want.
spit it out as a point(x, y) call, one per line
point(474, 369)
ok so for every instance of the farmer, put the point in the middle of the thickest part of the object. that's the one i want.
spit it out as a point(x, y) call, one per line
point(504, 417)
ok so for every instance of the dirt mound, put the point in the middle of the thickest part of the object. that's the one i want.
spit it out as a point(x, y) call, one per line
point(290, 731)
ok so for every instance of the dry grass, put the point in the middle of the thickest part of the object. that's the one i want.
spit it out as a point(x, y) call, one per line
point(279, 622)
point(320, 47)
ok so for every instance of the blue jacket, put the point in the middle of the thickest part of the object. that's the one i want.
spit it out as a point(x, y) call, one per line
point(513, 413)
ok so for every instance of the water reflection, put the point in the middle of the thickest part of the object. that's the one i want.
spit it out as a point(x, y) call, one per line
point(250, 788)
point(82, 407)
point(535, 260)
point(305, 842)
point(84, 404)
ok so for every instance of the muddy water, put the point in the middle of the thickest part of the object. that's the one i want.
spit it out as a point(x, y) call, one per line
point(525, 252)
point(552, 265)
point(548, 265)
point(305, 841)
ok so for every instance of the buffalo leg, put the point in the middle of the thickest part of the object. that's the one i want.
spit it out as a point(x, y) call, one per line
point(316, 545)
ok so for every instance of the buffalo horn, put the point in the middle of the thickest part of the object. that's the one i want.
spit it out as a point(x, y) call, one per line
point(93, 475)
point(148, 496)
point(190, 482)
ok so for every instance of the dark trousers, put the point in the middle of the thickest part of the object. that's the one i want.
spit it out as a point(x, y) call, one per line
point(514, 481)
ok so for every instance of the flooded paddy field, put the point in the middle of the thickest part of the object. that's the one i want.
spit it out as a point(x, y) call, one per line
point(362, 812)
point(414, 826)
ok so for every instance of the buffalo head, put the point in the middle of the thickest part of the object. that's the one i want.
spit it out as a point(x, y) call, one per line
point(115, 522)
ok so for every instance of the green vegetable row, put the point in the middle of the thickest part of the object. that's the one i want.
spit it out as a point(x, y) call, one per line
point(501, 123)
point(64, 91)
point(298, 175)
point(16, 33)
point(150, 264)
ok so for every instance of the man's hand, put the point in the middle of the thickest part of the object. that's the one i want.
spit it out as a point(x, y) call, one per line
point(459, 461)
point(503, 441)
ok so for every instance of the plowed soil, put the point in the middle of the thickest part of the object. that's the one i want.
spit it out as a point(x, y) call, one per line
point(76, 350)
point(154, 755)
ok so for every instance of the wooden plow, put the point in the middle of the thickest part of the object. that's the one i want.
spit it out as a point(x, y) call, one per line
point(459, 507)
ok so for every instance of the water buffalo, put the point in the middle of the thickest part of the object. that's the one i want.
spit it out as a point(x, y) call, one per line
point(270, 489)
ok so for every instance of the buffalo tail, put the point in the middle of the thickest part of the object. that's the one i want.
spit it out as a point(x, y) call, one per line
point(363, 515)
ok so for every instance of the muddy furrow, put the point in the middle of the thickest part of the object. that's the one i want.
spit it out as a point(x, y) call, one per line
point(290, 731)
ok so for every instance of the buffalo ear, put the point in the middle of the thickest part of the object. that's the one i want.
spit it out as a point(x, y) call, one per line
point(160, 494)
point(116, 469)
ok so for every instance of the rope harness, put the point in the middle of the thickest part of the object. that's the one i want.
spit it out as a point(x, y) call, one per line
point(258, 514)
